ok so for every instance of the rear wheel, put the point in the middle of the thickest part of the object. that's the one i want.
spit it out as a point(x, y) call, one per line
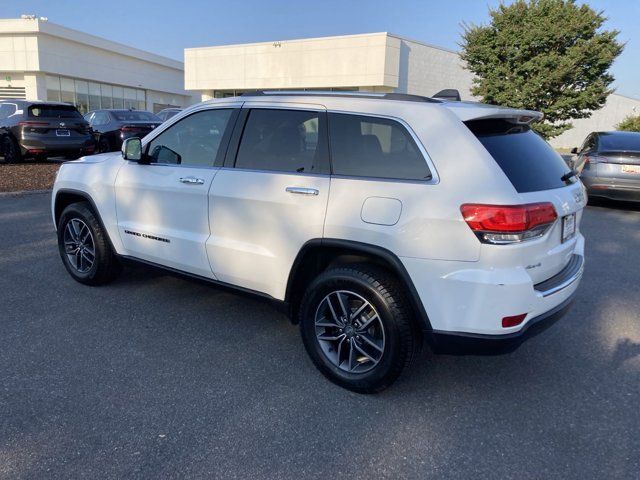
point(84, 248)
point(10, 151)
point(104, 145)
point(358, 328)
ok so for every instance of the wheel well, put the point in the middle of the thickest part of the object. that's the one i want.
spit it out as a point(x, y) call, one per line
point(64, 199)
point(316, 258)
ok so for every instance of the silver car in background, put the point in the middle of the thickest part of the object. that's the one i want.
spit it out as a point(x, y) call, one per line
point(609, 165)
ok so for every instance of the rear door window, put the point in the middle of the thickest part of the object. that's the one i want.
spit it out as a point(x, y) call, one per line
point(283, 141)
point(364, 146)
point(525, 158)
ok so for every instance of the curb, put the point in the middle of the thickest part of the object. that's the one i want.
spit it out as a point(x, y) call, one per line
point(21, 193)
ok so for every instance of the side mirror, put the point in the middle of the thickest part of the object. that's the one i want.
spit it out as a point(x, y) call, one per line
point(132, 149)
point(574, 150)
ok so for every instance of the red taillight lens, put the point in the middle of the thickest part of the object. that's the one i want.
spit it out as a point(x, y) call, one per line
point(33, 124)
point(513, 321)
point(509, 223)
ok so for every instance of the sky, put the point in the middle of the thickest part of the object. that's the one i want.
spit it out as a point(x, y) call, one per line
point(167, 27)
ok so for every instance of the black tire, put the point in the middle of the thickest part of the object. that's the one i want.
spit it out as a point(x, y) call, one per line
point(104, 145)
point(11, 151)
point(400, 338)
point(105, 266)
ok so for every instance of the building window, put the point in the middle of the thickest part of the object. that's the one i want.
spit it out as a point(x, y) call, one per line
point(106, 96)
point(87, 96)
point(67, 91)
point(118, 97)
point(53, 89)
point(82, 96)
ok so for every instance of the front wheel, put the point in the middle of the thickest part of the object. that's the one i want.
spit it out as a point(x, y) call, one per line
point(84, 247)
point(358, 328)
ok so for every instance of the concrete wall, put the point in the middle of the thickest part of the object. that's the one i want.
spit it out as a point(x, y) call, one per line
point(347, 61)
point(615, 110)
point(34, 48)
point(425, 70)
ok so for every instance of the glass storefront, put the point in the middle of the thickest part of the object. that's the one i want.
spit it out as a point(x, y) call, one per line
point(87, 96)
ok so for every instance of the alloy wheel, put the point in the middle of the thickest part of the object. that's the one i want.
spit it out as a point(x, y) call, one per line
point(349, 331)
point(79, 245)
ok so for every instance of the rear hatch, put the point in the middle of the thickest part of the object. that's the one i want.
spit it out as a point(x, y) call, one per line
point(541, 178)
point(55, 122)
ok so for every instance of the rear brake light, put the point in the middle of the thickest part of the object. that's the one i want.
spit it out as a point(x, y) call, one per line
point(513, 321)
point(130, 129)
point(500, 224)
point(33, 124)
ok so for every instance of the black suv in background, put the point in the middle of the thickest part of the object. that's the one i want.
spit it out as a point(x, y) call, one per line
point(32, 129)
point(111, 127)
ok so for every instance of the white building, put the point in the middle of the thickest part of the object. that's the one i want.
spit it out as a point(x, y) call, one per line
point(40, 60)
point(379, 62)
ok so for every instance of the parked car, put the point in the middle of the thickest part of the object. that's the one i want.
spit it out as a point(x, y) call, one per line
point(378, 221)
point(30, 129)
point(112, 126)
point(167, 113)
point(609, 165)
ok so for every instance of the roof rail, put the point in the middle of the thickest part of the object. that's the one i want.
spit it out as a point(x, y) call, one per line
point(353, 94)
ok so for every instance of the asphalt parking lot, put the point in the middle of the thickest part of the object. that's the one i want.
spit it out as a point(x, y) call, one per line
point(159, 377)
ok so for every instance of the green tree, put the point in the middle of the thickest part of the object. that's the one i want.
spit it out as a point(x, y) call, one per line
point(630, 124)
point(547, 55)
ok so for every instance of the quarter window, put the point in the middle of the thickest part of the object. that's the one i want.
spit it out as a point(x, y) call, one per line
point(365, 146)
point(193, 141)
point(282, 140)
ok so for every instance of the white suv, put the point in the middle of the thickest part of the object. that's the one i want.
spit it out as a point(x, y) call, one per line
point(378, 220)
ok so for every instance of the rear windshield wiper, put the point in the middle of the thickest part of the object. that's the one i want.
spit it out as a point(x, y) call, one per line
point(568, 175)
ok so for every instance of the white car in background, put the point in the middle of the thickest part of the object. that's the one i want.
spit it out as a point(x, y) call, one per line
point(379, 220)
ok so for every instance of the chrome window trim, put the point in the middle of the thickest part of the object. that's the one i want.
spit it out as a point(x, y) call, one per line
point(435, 177)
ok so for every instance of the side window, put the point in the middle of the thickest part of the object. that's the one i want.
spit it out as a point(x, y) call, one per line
point(100, 118)
point(363, 146)
point(193, 141)
point(588, 144)
point(6, 110)
point(282, 140)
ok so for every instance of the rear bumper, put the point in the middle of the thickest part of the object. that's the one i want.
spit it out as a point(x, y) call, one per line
point(458, 343)
point(466, 303)
point(612, 188)
point(57, 145)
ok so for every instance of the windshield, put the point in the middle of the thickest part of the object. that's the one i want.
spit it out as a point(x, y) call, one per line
point(619, 142)
point(525, 158)
point(54, 111)
point(135, 116)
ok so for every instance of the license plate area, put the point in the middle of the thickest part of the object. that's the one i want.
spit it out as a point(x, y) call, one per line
point(63, 132)
point(568, 227)
point(631, 169)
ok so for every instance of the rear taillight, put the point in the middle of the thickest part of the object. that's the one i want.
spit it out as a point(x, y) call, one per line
point(502, 224)
point(33, 124)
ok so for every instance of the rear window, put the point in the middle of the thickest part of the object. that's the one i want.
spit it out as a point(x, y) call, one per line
point(526, 159)
point(136, 116)
point(54, 111)
point(619, 142)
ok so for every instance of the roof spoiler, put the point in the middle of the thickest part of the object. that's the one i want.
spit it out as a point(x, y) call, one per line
point(449, 94)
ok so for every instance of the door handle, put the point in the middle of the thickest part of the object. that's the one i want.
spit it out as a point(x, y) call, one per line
point(302, 190)
point(192, 180)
